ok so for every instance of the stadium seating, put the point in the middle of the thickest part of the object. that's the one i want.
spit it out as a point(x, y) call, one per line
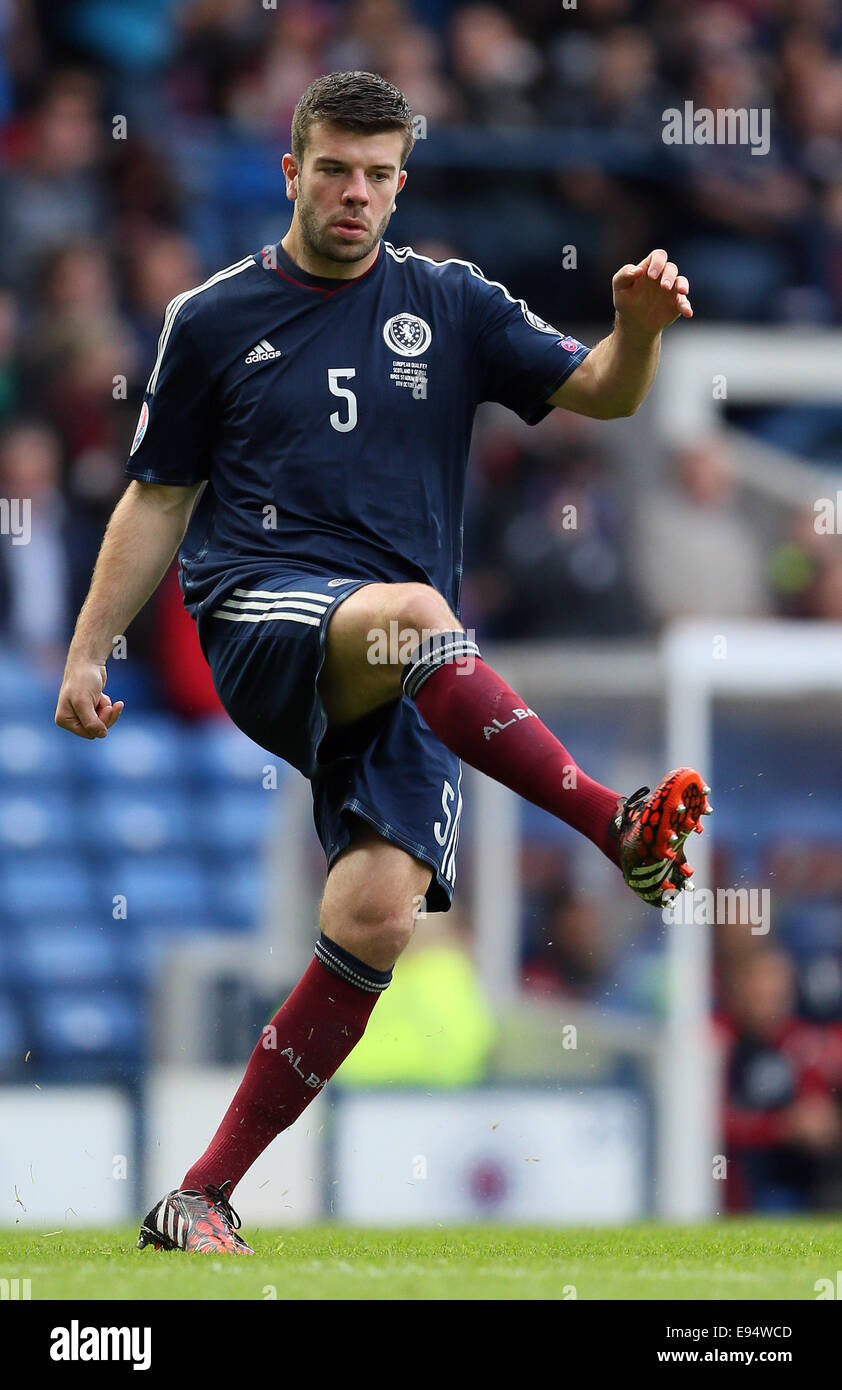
point(110, 853)
point(87, 1033)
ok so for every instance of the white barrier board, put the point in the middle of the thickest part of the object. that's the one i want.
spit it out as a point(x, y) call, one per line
point(66, 1156)
point(494, 1155)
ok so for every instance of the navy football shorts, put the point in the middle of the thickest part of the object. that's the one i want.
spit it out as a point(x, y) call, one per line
point(265, 646)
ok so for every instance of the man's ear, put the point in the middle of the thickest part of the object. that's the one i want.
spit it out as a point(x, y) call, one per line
point(401, 182)
point(290, 169)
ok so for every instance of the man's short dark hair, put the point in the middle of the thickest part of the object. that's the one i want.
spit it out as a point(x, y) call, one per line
point(359, 101)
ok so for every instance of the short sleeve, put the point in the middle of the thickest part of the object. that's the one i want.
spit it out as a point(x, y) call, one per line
point(172, 439)
point(521, 359)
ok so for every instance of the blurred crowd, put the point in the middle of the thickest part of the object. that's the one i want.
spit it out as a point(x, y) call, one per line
point(764, 234)
point(777, 1022)
point(140, 148)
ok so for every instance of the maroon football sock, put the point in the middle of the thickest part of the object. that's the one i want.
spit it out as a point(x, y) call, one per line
point(308, 1038)
point(481, 719)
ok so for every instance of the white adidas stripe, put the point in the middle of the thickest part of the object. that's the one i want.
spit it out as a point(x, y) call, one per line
point(400, 254)
point(262, 606)
point(266, 617)
point(176, 304)
point(284, 593)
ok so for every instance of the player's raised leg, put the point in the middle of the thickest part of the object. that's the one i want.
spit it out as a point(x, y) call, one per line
point(366, 921)
point(388, 639)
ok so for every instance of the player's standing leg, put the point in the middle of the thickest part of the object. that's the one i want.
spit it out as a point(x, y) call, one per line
point(366, 921)
point(478, 716)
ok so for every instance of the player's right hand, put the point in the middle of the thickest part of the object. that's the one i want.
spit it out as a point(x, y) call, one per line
point(83, 707)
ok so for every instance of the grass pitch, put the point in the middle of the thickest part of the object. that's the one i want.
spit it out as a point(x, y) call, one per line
point(729, 1260)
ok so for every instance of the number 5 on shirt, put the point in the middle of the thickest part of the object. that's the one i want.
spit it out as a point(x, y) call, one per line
point(334, 376)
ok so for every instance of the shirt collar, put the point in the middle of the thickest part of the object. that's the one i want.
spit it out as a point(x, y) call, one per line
point(275, 261)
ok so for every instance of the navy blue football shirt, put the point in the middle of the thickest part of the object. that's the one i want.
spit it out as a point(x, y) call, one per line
point(331, 419)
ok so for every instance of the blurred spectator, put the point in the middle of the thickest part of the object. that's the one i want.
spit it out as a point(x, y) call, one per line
point(216, 41)
point(697, 553)
point(826, 597)
point(795, 563)
point(496, 68)
point(781, 1124)
point(261, 97)
point(87, 402)
point(53, 190)
point(413, 62)
point(161, 264)
point(371, 30)
point(545, 533)
point(146, 192)
point(745, 208)
point(76, 280)
point(75, 287)
point(574, 960)
point(44, 568)
point(806, 569)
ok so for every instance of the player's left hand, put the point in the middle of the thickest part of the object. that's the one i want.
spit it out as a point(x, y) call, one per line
point(651, 295)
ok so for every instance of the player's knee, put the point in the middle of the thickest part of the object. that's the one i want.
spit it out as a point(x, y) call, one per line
point(373, 929)
point(387, 937)
point(421, 609)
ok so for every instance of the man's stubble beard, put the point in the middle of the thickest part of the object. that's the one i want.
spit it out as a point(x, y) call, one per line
point(315, 236)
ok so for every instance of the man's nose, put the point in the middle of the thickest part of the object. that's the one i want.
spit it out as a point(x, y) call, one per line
point(356, 190)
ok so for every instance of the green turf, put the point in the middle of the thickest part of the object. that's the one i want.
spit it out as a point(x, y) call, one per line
point(730, 1260)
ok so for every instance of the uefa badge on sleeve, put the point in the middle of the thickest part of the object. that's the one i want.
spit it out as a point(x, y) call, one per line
point(143, 421)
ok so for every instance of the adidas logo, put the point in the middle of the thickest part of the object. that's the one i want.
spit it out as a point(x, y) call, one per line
point(263, 352)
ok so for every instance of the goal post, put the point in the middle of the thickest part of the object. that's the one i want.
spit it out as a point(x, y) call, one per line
point(758, 662)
